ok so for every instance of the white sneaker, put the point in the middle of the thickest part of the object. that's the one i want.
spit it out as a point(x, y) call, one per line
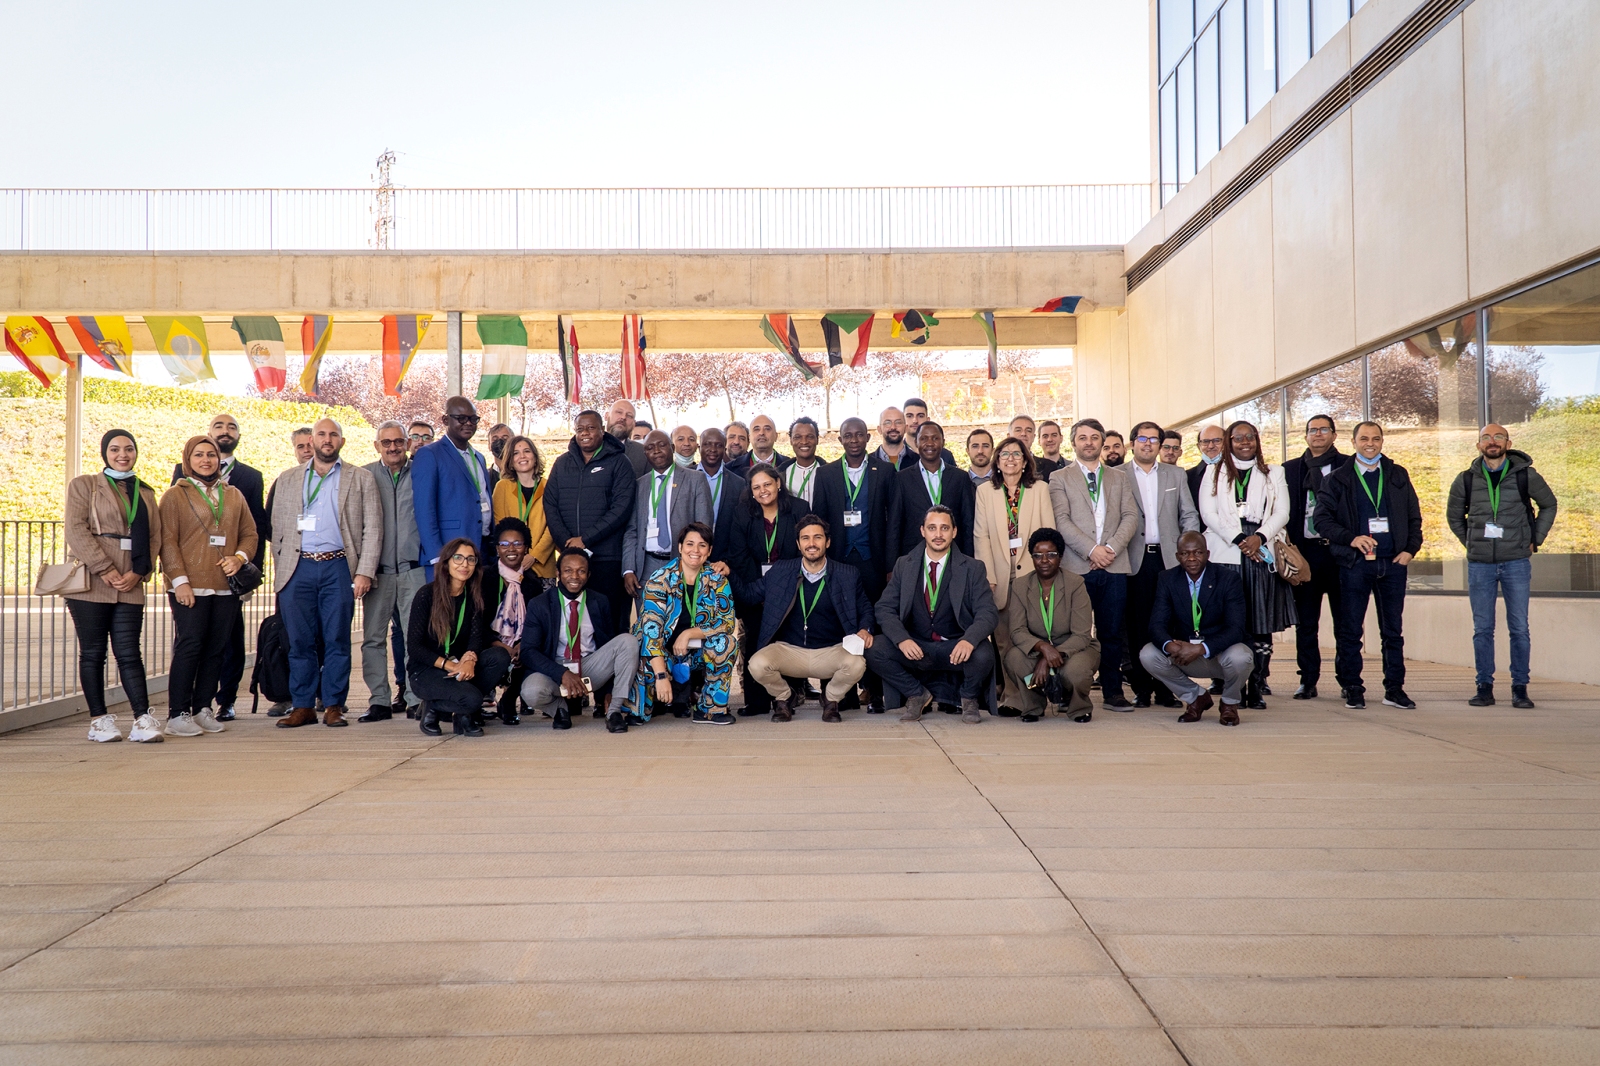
point(208, 721)
point(182, 725)
point(146, 730)
point(103, 728)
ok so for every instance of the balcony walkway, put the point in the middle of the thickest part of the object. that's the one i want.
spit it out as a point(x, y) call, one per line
point(1318, 886)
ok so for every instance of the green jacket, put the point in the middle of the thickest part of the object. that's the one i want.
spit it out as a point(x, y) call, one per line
point(1520, 539)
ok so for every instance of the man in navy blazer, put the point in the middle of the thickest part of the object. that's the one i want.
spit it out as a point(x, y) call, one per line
point(809, 606)
point(568, 639)
point(950, 487)
point(1197, 630)
point(854, 495)
point(451, 487)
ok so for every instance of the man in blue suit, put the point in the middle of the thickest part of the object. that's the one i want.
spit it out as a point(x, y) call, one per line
point(567, 640)
point(1197, 630)
point(451, 486)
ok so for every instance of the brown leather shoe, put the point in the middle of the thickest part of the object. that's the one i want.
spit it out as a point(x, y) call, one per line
point(1193, 711)
point(782, 711)
point(298, 717)
point(830, 710)
point(334, 716)
point(1229, 714)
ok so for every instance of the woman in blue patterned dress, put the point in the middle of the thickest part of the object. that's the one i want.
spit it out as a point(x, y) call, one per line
point(685, 632)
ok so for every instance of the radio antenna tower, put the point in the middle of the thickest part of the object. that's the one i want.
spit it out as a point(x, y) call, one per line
point(383, 223)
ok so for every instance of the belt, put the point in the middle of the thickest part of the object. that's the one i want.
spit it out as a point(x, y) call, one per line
point(654, 555)
point(323, 557)
point(1152, 547)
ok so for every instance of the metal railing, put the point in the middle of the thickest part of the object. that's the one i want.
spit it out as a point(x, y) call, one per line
point(995, 216)
point(38, 646)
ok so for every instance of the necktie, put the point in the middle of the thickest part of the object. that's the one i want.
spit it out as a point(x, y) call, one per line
point(574, 633)
point(662, 537)
point(933, 582)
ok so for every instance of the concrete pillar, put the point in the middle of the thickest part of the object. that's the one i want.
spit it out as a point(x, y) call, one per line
point(452, 359)
point(73, 380)
point(502, 410)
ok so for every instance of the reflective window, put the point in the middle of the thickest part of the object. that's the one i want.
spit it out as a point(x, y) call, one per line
point(1177, 30)
point(1326, 18)
point(1230, 64)
point(1207, 123)
point(1265, 413)
point(1261, 57)
point(1169, 138)
point(1186, 166)
point(1335, 393)
point(1294, 37)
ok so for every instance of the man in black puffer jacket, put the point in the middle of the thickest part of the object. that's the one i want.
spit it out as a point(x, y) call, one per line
point(588, 502)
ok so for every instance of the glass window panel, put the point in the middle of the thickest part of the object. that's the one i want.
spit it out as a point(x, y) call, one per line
point(1169, 138)
point(1185, 77)
point(1263, 412)
point(1177, 30)
point(1294, 37)
point(1261, 63)
point(1203, 10)
point(1544, 387)
point(1207, 122)
point(1326, 18)
point(1230, 63)
point(1336, 393)
point(1425, 395)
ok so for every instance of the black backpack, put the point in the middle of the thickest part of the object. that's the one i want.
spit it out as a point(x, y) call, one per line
point(271, 674)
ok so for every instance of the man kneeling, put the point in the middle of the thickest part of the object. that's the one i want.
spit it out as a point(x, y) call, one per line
point(567, 640)
point(805, 623)
point(937, 613)
point(1197, 630)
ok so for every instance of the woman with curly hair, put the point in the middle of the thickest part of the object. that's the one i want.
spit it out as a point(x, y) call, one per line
point(686, 640)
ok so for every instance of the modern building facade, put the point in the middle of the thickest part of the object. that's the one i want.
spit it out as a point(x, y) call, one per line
point(1385, 210)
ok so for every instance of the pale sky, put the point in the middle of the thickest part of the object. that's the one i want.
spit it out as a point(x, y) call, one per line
point(608, 93)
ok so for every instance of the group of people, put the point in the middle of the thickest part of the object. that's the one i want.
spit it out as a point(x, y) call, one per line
point(638, 570)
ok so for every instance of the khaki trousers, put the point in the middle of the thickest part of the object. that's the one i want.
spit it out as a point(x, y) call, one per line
point(1077, 674)
point(778, 660)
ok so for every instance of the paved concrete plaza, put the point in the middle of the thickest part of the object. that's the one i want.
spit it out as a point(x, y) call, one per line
point(1317, 886)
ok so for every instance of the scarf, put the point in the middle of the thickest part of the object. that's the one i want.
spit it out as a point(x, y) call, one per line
point(513, 608)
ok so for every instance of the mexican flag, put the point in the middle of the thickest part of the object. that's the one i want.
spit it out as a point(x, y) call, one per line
point(263, 346)
point(848, 334)
point(505, 356)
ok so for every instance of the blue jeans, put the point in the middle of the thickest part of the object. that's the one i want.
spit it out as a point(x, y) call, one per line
point(1385, 582)
point(1513, 579)
point(318, 603)
point(1108, 593)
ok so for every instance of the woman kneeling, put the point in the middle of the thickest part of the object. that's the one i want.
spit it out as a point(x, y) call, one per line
point(1050, 617)
point(449, 655)
point(685, 632)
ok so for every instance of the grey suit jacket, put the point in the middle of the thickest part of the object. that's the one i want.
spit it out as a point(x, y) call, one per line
point(360, 522)
point(1175, 513)
point(401, 541)
point(967, 586)
point(690, 502)
point(1074, 510)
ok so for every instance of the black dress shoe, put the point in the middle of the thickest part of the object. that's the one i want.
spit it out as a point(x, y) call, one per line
point(949, 708)
point(616, 722)
point(1116, 703)
point(376, 714)
point(1484, 698)
point(1144, 700)
point(1169, 701)
point(1009, 712)
point(875, 706)
point(467, 725)
point(1030, 718)
point(430, 724)
point(1084, 717)
point(1519, 698)
point(1266, 689)
point(1305, 692)
point(562, 719)
point(411, 713)
point(224, 714)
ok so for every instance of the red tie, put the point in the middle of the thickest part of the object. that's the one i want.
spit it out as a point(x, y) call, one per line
point(933, 582)
point(574, 633)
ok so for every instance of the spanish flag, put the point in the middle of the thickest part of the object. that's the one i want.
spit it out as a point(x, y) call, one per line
point(33, 341)
point(105, 339)
point(181, 340)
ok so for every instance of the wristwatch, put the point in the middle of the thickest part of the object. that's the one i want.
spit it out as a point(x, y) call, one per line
point(661, 677)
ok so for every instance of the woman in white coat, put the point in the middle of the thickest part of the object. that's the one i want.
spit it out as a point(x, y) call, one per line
point(1010, 507)
point(1244, 503)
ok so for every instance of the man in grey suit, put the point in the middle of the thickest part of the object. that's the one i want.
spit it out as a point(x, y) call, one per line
point(399, 573)
point(1097, 515)
point(937, 613)
point(1166, 511)
point(668, 497)
point(327, 536)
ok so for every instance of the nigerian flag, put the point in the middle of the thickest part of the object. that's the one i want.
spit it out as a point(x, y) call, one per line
point(505, 355)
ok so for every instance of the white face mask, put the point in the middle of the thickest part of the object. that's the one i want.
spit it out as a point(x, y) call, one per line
point(120, 475)
point(1364, 461)
point(1212, 460)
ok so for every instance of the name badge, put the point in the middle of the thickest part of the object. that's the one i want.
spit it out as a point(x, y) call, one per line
point(219, 542)
point(1196, 640)
point(306, 523)
point(1377, 525)
point(1243, 508)
point(126, 544)
point(1016, 542)
point(1492, 531)
point(852, 518)
point(696, 642)
point(483, 506)
point(574, 667)
point(764, 568)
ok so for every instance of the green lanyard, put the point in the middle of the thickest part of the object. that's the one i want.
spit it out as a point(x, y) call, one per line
point(1242, 486)
point(931, 591)
point(852, 489)
point(658, 489)
point(806, 483)
point(1048, 609)
point(772, 538)
point(575, 632)
point(805, 611)
point(1376, 508)
point(691, 598)
point(935, 487)
point(131, 508)
point(216, 508)
point(472, 469)
point(1494, 484)
point(1097, 486)
point(461, 617)
point(394, 478)
point(525, 503)
point(313, 493)
point(1013, 508)
point(716, 492)
point(1194, 608)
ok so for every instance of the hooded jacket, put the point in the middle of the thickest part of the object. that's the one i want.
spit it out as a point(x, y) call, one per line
point(592, 499)
point(1520, 540)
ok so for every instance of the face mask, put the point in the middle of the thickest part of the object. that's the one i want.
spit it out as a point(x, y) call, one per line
point(120, 475)
point(1209, 461)
point(682, 460)
point(497, 447)
point(1364, 461)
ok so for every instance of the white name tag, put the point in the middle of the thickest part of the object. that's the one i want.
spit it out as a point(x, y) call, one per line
point(1492, 531)
point(1327, 470)
point(306, 523)
point(483, 505)
point(696, 642)
point(126, 544)
point(1196, 640)
point(1377, 525)
point(574, 667)
point(1243, 508)
point(1016, 542)
point(219, 542)
point(764, 568)
point(852, 518)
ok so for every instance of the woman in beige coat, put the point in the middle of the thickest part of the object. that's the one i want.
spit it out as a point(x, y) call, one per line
point(207, 534)
point(1008, 510)
point(114, 529)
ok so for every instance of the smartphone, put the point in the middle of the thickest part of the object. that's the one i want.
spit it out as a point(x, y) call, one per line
point(588, 686)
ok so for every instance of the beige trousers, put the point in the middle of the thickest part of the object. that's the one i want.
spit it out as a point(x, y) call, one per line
point(1077, 674)
point(778, 660)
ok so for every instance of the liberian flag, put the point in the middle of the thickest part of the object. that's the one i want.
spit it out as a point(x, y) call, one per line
point(986, 320)
point(263, 346)
point(105, 339)
point(848, 334)
point(33, 341)
point(916, 325)
point(505, 356)
point(402, 336)
point(633, 384)
point(780, 331)
point(1064, 305)
point(185, 352)
point(571, 369)
point(314, 333)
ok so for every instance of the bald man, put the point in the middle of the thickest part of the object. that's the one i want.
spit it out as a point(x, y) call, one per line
point(620, 423)
point(684, 445)
point(764, 444)
point(1211, 440)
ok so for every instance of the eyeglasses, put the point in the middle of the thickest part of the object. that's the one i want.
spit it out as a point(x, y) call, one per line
point(1319, 431)
point(1244, 438)
point(1210, 440)
point(392, 442)
point(1500, 438)
point(419, 436)
point(1011, 453)
point(1147, 440)
point(459, 558)
point(1047, 555)
point(474, 419)
point(510, 543)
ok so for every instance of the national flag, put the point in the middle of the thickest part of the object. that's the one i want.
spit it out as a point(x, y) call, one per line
point(986, 320)
point(916, 325)
point(571, 368)
point(633, 383)
point(314, 333)
point(848, 334)
point(105, 339)
point(33, 341)
point(263, 346)
point(181, 340)
point(780, 331)
point(505, 356)
point(1065, 305)
point(402, 336)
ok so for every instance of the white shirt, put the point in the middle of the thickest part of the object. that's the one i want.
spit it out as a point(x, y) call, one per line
point(803, 479)
point(814, 578)
point(714, 482)
point(652, 540)
point(1099, 472)
point(933, 481)
point(477, 475)
point(1150, 498)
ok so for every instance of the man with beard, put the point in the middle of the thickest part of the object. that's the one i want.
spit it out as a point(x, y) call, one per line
point(1116, 449)
point(1211, 439)
point(1050, 459)
point(980, 456)
point(668, 498)
point(932, 481)
point(1304, 475)
point(737, 455)
point(620, 422)
point(764, 444)
point(892, 431)
point(569, 638)
point(1171, 446)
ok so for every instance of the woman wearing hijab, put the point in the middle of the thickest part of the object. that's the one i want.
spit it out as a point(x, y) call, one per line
point(114, 529)
point(207, 534)
point(508, 587)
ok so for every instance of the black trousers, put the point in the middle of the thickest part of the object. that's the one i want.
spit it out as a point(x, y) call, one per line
point(121, 625)
point(872, 583)
point(1136, 622)
point(1308, 609)
point(605, 577)
point(203, 632)
point(446, 697)
point(891, 664)
point(756, 698)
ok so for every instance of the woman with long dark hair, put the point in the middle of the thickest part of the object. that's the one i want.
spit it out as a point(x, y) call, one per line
point(1008, 510)
point(761, 533)
point(519, 494)
point(448, 654)
point(685, 632)
point(114, 528)
point(1244, 503)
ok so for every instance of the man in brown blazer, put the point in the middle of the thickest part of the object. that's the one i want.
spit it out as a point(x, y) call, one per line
point(327, 526)
point(1097, 514)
